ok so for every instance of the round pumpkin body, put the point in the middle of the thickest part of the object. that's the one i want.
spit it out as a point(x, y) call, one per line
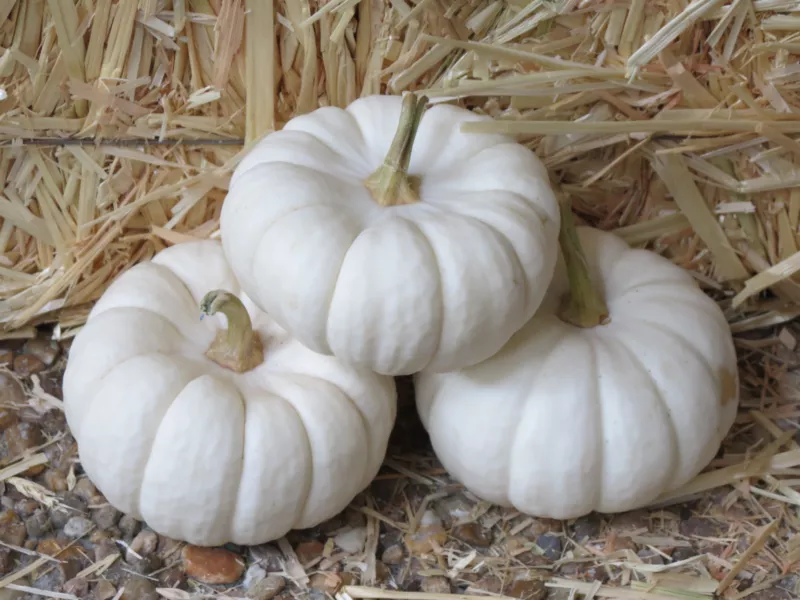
point(202, 453)
point(564, 421)
point(440, 283)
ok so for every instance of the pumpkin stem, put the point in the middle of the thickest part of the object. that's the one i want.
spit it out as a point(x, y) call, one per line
point(390, 184)
point(584, 305)
point(238, 347)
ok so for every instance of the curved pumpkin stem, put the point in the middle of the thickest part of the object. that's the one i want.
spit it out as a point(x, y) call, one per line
point(584, 306)
point(238, 347)
point(391, 184)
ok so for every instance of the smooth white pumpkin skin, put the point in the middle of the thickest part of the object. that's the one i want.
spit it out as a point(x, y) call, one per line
point(565, 421)
point(440, 284)
point(201, 453)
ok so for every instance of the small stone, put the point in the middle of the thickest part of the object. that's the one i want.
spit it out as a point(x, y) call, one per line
point(85, 490)
point(527, 589)
point(144, 544)
point(28, 364)
point(105, 548)
point(212, 565)
point(77, 527)
point(352, 540)
point(146, 564)
point(104, 590)
point(430, 534)
point(6, 356)
point(550, 545)
point(21, 437)
point(11, 395)
point(382, 572)
point(682, 553)
point(587, 527)
point(267, 588)
point(490, 583)
point(7, 503)
point(255, 573)
point(12, 529)
point(435, 585)
point(542, 526)
point(139, 588)
point(106, 516)
point(46, 351)
point(649, 557)
point(129, 527)
point(70, 558)
point(72, 505)
point(623, 542)
point(473, 535)
point(308, 551)
point(330, 582)
point(38, 524)
point(393, 555)
point(453, 509)
point(77, 586)
point(699, 526)
point(26, 507)
point(6, 561)
point(55, 481)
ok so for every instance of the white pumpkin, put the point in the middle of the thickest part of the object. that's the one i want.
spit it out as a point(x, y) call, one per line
point(279, 438)
point(602, 415)
point(387, 258)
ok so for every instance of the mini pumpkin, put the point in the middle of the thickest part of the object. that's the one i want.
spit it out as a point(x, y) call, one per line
point(215, 433)
point(387, 258)
point(602, 403)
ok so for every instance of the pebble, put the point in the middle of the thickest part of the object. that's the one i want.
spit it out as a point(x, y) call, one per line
point(106, 516)
point(77, 527)
point(55, 481)
point(144, 544)
point(255, 573)
point(649, 557)
point(28, 364)
point(435, 585)
point(129, 527)
point(527, 589)
point(12, 529)
point(105, 548)
point(212, 565)
point(21, 437)
point(139, 588)
point(542, 526)
point(85, 490)
point(70, 558)
point(104, 590)
point(47, 351)
point(6, 356)
point(72, 505)
point(550, 545)
point(11, 394)
point(393, 555)
point(682, 553)
point(352, 540)
point(587, 527)
point(26, 507)
point(472, 534)
point(38, 524)
point(171, 578)
point(308, 551)
point(77, 586)
point(146, 564)
point(6, 561)
point(267, 588)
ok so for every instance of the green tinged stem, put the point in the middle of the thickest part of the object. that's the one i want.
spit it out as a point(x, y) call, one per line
point(238, 347)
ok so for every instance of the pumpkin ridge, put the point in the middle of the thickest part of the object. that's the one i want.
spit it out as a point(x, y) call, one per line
point(243, 434)
point(598, 402)
point(439, 291)
point(673, 432)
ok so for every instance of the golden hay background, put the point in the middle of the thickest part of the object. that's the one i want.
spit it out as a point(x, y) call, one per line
point(671, 122)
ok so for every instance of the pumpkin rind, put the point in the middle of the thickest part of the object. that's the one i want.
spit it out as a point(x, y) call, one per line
point(564, 421)
point(201, 453)
point(439, 284)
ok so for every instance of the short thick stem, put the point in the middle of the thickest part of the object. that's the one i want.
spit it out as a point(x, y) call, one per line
point(390, 184)
point(584, 306)
point(238, 347)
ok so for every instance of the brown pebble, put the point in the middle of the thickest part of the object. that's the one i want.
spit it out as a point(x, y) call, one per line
point(26, 507)
point(11, 394)
point(46, 351)
point(6, 561)
point(308, 551)
point(543, 526)
point(425, 539)
point(129, 527)
point(77, 586)
point(28, 364)
point(527, 589)
point(171, 578)
point(6, 356)
point(212, 565)
point(435, 585)
point(267, 588)
point(330, 582)
point(85, 489)
point(21, 437)
point(144, 544)
point(472, 534)
point(104, 590)
point(106, 516)
point(70, 557)
point(393, 555)
point(12, 529)
point(382, 572)
point(139, 588)
point(105, 548)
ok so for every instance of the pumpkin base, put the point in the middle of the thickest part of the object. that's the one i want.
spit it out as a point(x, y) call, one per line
point(220, 352)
